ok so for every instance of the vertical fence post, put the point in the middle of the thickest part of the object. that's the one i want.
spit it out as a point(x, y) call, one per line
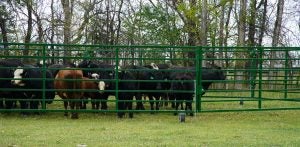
point(260, 76)
point(198, 71)
point(286, 71)
point(117, 78)
point(253, 70)
point(44, 76)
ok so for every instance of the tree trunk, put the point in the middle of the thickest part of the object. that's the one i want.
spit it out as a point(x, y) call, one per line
point(204, 32)
point(29, 30)
point(263, 23)
point(119, 23)
point(67, 10)
point(275, 40)
point(251, 23)
point(3, 20)
point(52, 35)
point(239, 64)
point(191, 24)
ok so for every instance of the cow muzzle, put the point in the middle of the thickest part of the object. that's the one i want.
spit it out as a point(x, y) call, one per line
point(101, 86)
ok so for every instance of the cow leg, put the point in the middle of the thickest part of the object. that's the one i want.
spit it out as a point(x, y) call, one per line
point(129, 106)
point(34, 104)
point(103, 105)
point(73, 105)
point(9, 104)
point(176, 107)
point(1, 104)
point(172, 100)
point(139, 104)
point(93, 103)
point(151, 99)
point(120, 107)
point(103, 99)
point(189, 107)
point(66, 103)
point(83, 103)
point(23, 105)
point(166, 97)
point(157, 102)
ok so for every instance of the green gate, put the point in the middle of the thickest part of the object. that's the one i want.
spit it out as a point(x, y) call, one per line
point(257, 78)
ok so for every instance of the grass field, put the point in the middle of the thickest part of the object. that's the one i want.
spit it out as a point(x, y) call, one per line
point(256, 128)
point(267, 128)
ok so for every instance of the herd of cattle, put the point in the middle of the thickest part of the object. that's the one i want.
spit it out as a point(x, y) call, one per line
point(98, 81)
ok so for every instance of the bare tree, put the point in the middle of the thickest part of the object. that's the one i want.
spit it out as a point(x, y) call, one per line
point(278, 23)
point(252, 23)
point(239, 63)
point(67, 10)
point(275, 40)
point(29, 28)
point(3, 27)
point(262, 26)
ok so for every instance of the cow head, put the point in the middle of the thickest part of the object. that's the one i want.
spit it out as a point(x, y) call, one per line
point(19, 73)
point(101, 84)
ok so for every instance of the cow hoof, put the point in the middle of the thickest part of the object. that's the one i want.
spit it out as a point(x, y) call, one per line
point(74, 116)
point(120, 116)
point(241, 102)
point(37, 113)
point(130, 115)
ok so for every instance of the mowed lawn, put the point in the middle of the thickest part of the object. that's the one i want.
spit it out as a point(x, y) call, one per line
point(260, 128)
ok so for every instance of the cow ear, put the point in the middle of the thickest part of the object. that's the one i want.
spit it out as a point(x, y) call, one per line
point(25, 73)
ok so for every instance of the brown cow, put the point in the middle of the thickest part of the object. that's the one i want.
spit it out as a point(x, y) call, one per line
point(90, 84)
point(70, 80)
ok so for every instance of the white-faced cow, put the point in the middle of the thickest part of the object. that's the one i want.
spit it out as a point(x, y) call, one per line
point(31, 79)
point(7, 89)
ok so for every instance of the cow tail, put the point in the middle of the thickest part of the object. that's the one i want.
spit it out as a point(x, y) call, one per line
point(78, 82)
point(69, 84)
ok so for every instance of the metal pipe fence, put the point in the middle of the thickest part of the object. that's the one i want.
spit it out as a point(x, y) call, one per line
point(257, 78)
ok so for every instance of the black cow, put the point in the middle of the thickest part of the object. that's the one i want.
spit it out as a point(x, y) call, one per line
point(182, 81)
point(147, 81)
point(7, 67)
point(30, 78)
point(165, 84)
point(208, 76)
point(54, 68)
point(126, 85)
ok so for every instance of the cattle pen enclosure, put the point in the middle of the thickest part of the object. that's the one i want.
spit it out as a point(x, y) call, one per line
point(257, 78)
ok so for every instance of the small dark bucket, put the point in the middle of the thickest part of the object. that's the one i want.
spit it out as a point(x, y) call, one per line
point(181, 117)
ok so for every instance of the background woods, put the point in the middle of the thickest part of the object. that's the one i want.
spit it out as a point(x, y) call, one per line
point(166, 22)
point(171, 22)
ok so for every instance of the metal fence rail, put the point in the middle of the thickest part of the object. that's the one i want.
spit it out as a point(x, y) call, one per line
point(257, 78)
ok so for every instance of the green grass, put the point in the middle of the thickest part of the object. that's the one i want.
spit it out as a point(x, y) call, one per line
point(257, 128)
point(268, 128)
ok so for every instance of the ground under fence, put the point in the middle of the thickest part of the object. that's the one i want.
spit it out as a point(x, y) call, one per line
point(154, 78)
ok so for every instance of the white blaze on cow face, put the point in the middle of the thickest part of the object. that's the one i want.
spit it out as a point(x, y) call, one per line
point(17, 77)
point(154, 66)
point(101, 86)
point(95, 76)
